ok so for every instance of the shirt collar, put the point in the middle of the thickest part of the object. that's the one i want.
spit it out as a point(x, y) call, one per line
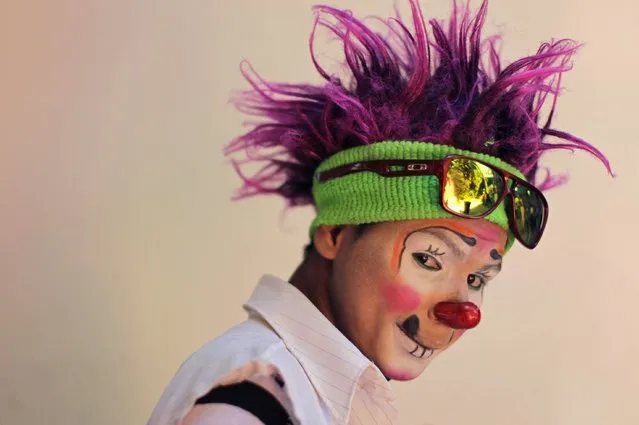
point(333, 364)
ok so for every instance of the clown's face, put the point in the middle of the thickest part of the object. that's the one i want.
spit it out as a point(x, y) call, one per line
point(387, 282)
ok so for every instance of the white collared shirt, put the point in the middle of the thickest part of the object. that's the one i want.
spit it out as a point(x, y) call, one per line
point(326, 378)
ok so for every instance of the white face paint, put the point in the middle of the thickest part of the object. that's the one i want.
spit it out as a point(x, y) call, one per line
point(388, 281)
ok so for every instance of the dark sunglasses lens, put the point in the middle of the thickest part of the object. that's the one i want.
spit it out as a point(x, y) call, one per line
point(471, 188)
point(529, 212)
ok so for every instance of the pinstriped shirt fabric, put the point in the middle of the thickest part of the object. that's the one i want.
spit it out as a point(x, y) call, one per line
point(326, 379)
point(352, 387)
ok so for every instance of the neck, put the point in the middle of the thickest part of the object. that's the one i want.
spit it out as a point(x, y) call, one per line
point(312, 278)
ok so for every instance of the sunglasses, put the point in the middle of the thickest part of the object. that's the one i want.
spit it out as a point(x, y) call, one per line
point(469, 188)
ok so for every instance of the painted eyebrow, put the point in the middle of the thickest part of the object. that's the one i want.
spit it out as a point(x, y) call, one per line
point(496, 267)
point(441, 233)
point(448, 241)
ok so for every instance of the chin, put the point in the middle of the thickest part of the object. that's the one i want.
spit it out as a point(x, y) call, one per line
point(399, 375)
point(399, 358)
point(401, 371)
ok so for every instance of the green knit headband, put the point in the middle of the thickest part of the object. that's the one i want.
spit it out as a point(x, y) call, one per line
point(366, 197)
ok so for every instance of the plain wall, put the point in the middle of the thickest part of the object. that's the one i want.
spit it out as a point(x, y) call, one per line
point(121, 252)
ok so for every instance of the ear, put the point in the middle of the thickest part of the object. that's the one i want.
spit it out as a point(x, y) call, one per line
point(328, 240)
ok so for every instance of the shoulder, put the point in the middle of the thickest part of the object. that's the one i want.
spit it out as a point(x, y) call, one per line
point(249, 342)
point(251, 338)
point(246, 351)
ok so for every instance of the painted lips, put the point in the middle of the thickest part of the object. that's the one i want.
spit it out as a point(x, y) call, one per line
point(420, 351)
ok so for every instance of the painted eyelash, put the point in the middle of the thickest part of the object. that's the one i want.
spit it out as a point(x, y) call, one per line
point(485, 279)
point(434, 252)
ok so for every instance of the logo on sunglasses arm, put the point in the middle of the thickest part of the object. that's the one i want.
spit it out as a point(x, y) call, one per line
point(417, 167)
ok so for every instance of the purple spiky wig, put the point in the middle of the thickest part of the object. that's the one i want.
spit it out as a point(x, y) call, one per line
point(434, 83)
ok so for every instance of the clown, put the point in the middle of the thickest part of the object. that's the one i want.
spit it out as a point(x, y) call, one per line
point(422, 167)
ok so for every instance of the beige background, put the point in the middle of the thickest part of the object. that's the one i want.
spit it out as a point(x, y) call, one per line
point(120, 252)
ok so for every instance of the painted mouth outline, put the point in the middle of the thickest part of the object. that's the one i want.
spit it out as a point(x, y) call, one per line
point(419, 346)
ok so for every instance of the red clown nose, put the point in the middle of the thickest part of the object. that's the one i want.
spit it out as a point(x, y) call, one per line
point(458, 315)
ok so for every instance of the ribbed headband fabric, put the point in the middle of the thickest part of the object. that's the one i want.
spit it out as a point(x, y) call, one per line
point(366, 197)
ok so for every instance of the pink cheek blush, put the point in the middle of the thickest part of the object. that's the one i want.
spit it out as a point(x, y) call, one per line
point(401, 298)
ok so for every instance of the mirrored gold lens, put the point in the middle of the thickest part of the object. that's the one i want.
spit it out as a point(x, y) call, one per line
point(529, 212)
point(471, 188)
